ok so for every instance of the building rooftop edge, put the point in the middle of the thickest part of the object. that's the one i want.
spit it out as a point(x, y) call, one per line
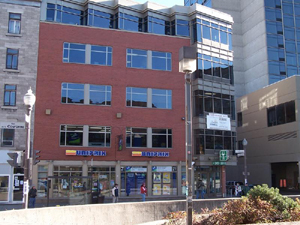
point(142, 7)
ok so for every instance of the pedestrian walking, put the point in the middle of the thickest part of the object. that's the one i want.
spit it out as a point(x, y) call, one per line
point(143, 192)
point(32, 195)
point(238, 190)
point(200, 189)
point(115, 193)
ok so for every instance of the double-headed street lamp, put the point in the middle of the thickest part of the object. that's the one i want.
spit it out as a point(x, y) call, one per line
point(187, 64)
point(29, 100)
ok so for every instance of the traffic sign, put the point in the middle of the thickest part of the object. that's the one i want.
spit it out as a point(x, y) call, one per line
point(239, 151)
point(240, 155)
point(223, 155)
point(248, 173)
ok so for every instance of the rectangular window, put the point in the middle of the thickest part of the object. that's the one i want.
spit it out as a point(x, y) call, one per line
point(63, 14)
point(240, 119)
point(138, 97)
point(74, 53)
point(100, 95)
point(281, 114)
point(161, 138)
point(12, 56)
point(99, 136)
point(71, 135)
point(14, 23)
point(129, 22)
point(136, 137)
point(100, 19)
point(161, 61)
point(141, 59)
point(72, 93)
point(101, 55)
point(137, 58)
point(161, 99)
point(10, 95)
point(8, 137)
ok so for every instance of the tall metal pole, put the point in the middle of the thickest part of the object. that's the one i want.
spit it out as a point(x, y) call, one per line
point(27, 155)
point(188, 148)
point(245, 161)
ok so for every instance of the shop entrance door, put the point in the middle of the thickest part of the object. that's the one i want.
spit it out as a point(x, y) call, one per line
point(132, 182)
point(204, 176)
point(18, 187)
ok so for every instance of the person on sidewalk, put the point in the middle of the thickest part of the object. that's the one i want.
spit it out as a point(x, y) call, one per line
point(115, 193)
point(200, 189)
point(32, 195)
point(143, 192)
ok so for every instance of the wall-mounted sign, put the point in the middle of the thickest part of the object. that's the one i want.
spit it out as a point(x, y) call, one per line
point(135, 169)
point(224, 155)
point(219, 163)
point(161, 168)
point(85, 153)
point(151, 154)
point(216, 121)
point(12, 125)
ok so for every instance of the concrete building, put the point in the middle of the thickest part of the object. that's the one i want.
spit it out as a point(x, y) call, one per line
point(110, 99)
point(19, 48)
point(269, 120)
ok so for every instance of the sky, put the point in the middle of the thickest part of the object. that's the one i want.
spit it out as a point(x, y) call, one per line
point(168, 3)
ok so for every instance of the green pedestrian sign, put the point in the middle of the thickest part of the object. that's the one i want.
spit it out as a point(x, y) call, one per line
point(219, 163)
point(223, 155)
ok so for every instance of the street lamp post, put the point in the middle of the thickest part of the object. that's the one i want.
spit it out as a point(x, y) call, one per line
point(29, 100)
point(245, 160)
point(187, 64)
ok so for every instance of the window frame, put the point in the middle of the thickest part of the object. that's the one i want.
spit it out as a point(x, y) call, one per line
point(106, 133)
point(12, 58)
point(65, 131)
point(15, 21)
point(2, 138)
point(10, 91)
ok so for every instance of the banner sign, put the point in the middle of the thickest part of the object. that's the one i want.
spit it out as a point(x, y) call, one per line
point(11, 125)
point(135, 169)
point(85, 153)
point(218, 122)
point(151, 154)
point(161, 168)
point(219, 163)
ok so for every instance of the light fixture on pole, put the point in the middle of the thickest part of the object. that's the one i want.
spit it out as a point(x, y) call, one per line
point(187, 64)
point(245, 142)
point(29, 100)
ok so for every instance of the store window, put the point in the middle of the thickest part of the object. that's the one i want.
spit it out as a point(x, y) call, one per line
point(131, 180)
point(12, 56)
point(136, 137)
point(14, 23)
point(4, 183)
point(161, 138)
point(103, 179)
point(7, 137)
point(42, 186)
point(164, 180)
point(70, 184)
point(10, 95)
point(99, 136)
point(71, 135)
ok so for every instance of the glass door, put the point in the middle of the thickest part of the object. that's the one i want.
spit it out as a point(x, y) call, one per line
point(4, 181)
point(18, 187)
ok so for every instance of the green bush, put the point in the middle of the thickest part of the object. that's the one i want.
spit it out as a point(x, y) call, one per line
point(272, 195)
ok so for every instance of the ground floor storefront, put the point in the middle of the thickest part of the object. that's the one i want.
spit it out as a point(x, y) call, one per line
point(65, 179)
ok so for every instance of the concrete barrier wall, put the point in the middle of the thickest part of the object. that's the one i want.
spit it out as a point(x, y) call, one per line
point(107, 214)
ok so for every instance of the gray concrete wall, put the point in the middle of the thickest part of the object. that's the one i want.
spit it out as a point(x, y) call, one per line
point(121, 213)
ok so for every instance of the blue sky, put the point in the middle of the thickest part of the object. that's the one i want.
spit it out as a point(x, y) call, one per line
point(168, 3)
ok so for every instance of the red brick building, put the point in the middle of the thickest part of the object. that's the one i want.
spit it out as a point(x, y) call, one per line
point(110, 102)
